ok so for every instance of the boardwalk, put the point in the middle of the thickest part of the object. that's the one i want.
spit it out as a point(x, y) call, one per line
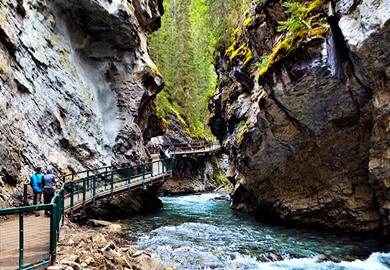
point(34, 232)
point(36, 241)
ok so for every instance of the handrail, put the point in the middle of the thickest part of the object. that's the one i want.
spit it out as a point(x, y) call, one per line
point(74, 194)
point(80, 188)
point(198, 147)
point(194, 145)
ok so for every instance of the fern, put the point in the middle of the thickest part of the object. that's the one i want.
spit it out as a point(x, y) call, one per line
point(263, 63)
point(292, 25)
point(295, 23)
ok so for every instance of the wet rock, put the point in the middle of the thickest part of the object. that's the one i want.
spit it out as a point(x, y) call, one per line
point(141, 252)
point(114, 228)
point(190, 175)
point(95, 222)
point(125, 205)
point(309, 143)
point(224, 197)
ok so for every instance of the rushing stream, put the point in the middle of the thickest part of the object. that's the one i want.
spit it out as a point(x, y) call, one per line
point(197, 232)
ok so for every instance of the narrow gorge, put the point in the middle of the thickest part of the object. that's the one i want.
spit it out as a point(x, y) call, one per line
point(294, 96)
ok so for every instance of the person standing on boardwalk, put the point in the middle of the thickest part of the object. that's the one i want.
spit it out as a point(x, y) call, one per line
point(168, 153)
point(37, 185)
point(48, 188)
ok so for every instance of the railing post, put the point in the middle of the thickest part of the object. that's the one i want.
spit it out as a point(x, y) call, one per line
point(94, 186)
point(105, 179)
point(62, 194)
point(21, 240)
point(25, 194)
point(84, 190)
point(84, 194)
point(54, 228)
point(162, 165)
point(71, 194)
point(128, 174)
point(143, 175)
point(88, 178)
point(112, 181)
point(151, 168)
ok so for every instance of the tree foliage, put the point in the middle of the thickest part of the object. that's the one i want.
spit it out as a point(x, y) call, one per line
point(183, 50)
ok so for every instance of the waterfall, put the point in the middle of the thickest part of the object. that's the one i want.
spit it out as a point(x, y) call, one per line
point(91, 85)
point(103, 99)
point(332, 54)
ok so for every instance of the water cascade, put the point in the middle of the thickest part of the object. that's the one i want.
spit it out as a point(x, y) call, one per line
point(201, 232)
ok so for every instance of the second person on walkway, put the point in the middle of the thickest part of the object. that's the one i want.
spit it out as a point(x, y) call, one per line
point(48, 189)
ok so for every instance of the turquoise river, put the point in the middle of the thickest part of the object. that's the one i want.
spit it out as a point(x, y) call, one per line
point(201, 232)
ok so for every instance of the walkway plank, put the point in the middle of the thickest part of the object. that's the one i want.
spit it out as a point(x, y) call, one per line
point(36, 240)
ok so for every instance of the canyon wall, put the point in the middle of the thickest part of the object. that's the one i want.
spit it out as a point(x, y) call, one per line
point(76, 85)
point(191, 173)
point(308, 133)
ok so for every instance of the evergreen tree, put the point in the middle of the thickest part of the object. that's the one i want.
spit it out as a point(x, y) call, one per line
point(183, 50)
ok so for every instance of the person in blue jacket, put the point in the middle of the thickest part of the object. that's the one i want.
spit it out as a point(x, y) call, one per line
point(37, 186)
point(48, 188)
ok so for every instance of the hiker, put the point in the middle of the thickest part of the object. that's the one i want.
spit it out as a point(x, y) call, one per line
point(48, 188)
point(168, 153)
point(37, 185)
point(162, 154)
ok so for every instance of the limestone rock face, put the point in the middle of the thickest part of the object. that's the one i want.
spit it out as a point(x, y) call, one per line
point(370, 54)
point(309, 139)
point(76, 84)
point(125, 205)
point(190, 174)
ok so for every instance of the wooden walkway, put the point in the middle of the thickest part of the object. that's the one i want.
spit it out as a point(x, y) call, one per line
point(36, 231)
point(36, 240)
point(104, 188)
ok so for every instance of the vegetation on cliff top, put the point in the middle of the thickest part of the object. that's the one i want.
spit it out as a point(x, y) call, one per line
point(297, 28)
point(183, 50)
point(191, 35)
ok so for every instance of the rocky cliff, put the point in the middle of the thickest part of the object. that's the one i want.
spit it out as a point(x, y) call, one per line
point(76, 84)
point(305, 116)
point(191, 173)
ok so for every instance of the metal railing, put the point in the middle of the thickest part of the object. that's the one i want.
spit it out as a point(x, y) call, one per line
point(192, 146)
point(76, 192)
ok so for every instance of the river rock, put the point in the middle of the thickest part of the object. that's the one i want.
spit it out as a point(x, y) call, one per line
point(100, 249)
point(99, 240)
point(95, 222)
point(114, 228)
point(308, 140)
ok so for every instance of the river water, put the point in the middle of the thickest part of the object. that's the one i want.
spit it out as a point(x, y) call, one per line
point(199, 232)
